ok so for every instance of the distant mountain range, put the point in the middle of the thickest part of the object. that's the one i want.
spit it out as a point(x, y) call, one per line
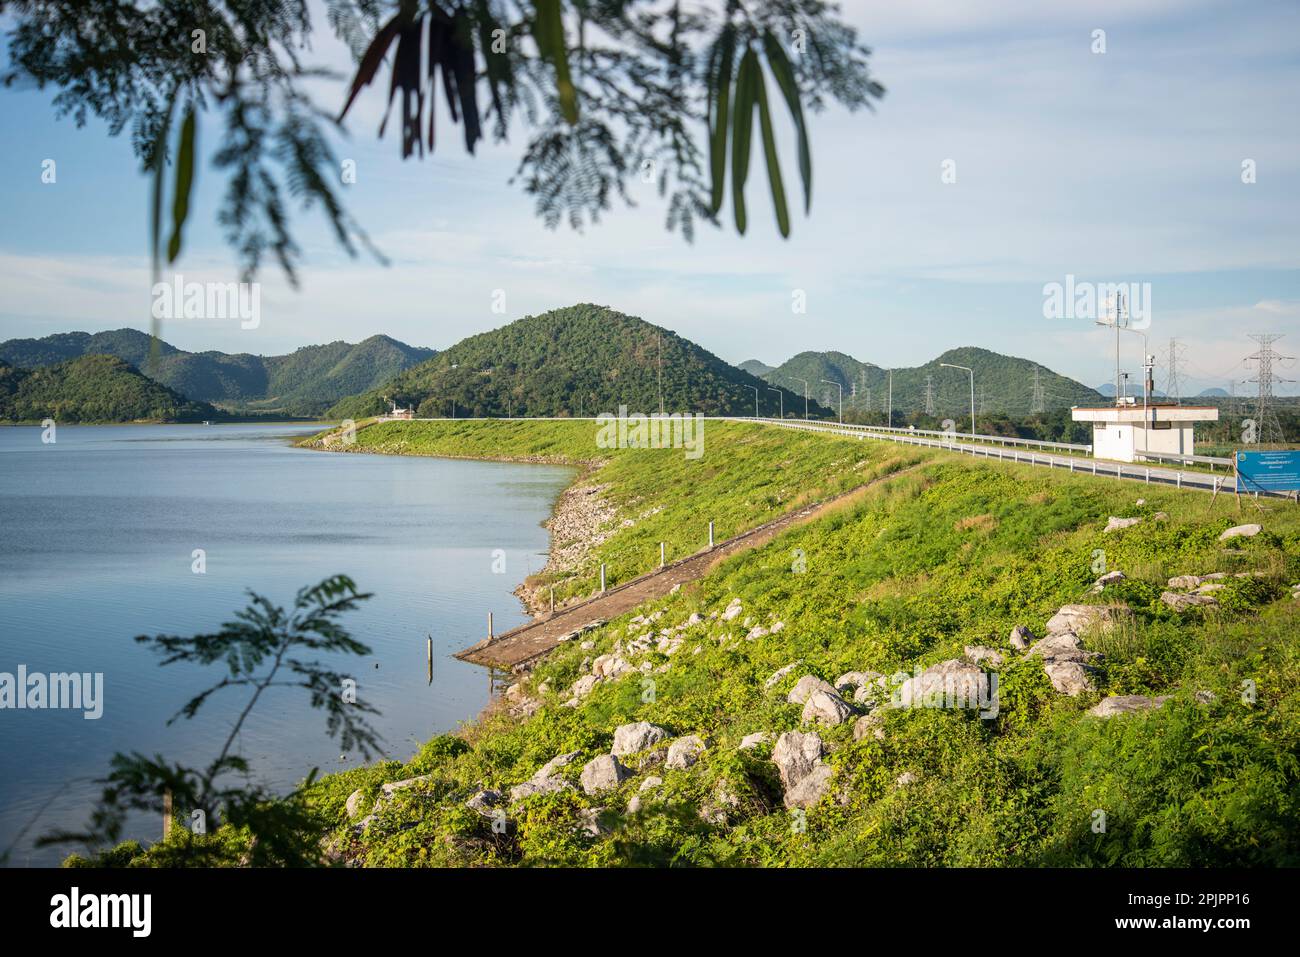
point(303, 383)
point(93, 388)
point(1135, 389)
point(1003, 384)
point(582, 360)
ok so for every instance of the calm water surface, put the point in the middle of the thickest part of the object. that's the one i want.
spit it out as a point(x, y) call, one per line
point(96, 536)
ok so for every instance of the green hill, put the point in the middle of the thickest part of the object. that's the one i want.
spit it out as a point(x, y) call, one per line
point(578, 361)
point(94, 388)
point(1003, 384)
point(754, 367)
point(305, 382)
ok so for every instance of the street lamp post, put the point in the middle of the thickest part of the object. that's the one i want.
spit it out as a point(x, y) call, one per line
point(755, 388)
point(841, 388)
point(949, 365)
point(805, 394)
point(781, 396)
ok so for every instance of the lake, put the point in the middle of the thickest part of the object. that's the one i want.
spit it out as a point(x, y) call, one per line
point(97, 536)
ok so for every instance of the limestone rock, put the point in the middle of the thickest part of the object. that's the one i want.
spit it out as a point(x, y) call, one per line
point(386, 791)
point(1021, 638)
point(591, 822)
point(754, 740)
point(852, 680)
point(485, 801)
point(1068, 677)
point(1241, 531)
point(825, 707)
point(1061, 647)
point(983, 655)
point(550, 767)
point(1066, 662)
point(1110, 578)
point(869, 725)
point(780, 673)
point(1181, 601)
point(1115, 524)
point(610, 666)
point(805, 687)
point(1125, 704)
point(795, 755)
point(603, 773)
point(684, 752)
point(947, 681)
point(811, 788)
point(631, 738)
point(1080, 618)
point(537, 785)
point(1185, 582)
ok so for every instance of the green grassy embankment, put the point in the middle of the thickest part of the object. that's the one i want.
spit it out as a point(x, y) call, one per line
point(948, 553)
point(953, 553)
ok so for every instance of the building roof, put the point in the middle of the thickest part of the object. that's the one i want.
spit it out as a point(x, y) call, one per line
point(1137, 415)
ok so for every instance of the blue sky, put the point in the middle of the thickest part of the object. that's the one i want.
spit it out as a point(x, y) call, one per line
point(1123, 166)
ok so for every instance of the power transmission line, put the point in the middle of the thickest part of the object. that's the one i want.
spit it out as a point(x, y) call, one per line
point(1267, 427)
point(1173, 389)
point(1038, 405)
point(929, 395)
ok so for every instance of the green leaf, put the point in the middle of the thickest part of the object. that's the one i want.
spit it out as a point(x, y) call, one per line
point(741, 133)
point(184, 181)
point(159, 165)
point(548, 31)
point(155, 215)
point(719, 101)
point(773, 164)
point(783, 73)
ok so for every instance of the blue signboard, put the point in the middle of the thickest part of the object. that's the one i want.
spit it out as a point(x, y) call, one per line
point(1277, 471)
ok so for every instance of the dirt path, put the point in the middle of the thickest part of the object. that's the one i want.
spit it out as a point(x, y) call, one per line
point(522, 644)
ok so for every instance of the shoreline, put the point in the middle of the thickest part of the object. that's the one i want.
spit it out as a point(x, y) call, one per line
point(580, 518)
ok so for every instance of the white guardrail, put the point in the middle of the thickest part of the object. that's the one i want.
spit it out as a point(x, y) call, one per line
point(1072, 463)
point(1006, 440)
point(1210, 460)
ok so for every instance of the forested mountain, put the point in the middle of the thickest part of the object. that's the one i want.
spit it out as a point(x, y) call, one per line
point(93, 388)
point(1003, 384)
point(305, 382)
point(578, 361)
point(754, 367)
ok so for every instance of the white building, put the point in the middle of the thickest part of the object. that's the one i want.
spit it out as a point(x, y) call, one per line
point(1123, 432)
